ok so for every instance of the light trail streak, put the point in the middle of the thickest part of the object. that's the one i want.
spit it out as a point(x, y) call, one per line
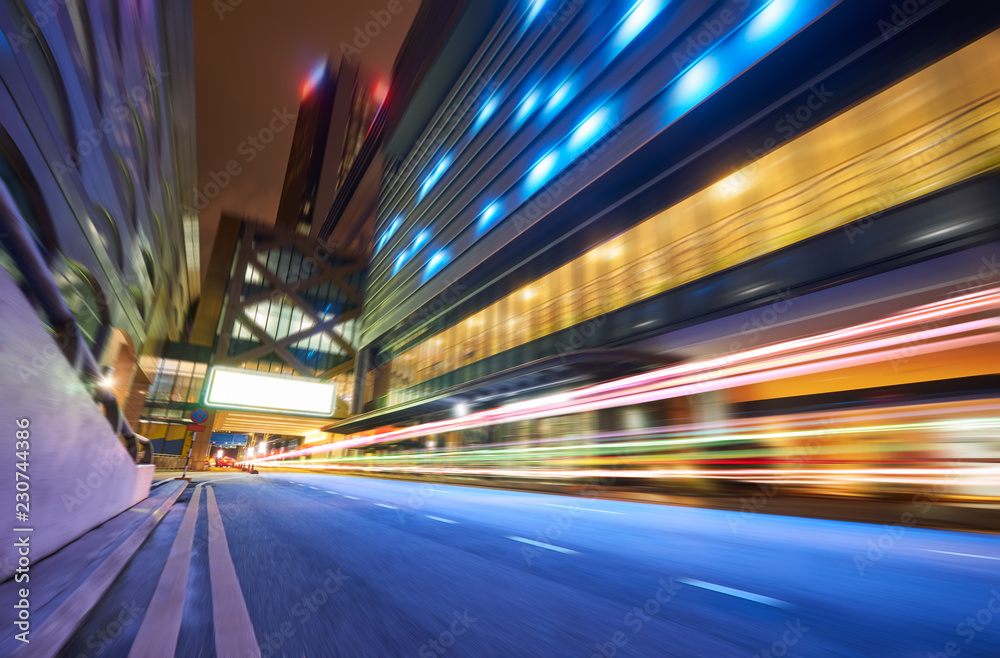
point(850, 451)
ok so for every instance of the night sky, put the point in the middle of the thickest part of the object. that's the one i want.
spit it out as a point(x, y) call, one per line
point(251, 60)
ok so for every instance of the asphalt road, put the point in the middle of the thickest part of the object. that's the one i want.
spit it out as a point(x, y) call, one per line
point(345, 566)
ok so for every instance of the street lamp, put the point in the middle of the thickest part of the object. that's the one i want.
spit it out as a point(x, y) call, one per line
point(107, 380)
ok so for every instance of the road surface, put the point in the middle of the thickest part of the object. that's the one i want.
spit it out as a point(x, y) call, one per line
point(344, 566)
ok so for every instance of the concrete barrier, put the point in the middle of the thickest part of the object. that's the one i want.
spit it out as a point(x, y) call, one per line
point(169, 462)
point(79, 473)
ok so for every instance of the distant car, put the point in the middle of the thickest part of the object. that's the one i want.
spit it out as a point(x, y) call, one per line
point(226, 462)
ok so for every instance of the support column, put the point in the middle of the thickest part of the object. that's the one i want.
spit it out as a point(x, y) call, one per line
point(709, 407)
point(361, 360)
point(202, 442)
point(136, 399)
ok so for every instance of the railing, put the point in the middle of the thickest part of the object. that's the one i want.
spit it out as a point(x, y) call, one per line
point(20, 244)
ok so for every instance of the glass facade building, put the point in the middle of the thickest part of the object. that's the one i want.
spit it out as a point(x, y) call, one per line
point(693, 246)
point(97, 152)
point(937, 127)
point(586, 166)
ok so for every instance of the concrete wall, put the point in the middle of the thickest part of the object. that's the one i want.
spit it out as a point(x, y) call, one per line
point(80, 474)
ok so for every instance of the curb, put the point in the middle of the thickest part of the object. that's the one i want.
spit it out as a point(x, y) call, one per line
point(59, 627)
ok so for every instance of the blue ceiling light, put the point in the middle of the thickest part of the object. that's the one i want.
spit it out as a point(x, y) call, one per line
point(435, 263)
point(560, 96)
point(541, 170)
point(696, 84)
point(315, 76)
point(388, 232)
point(528, 104)
point(536, 6)
point(775, 21)
point(435, 175)
point(590, 130)
point(769, 19)
point(400, 261)
point(638, 17)
point(488, 215)
point(489, 107)
point(418, 242)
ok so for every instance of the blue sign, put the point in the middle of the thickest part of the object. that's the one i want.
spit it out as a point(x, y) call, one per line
point(226, 440)
point(199, 415)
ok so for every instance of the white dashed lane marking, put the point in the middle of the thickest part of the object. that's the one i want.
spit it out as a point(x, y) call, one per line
point(982, 557)
point(540, 544)
point(386, 506)
point(583, 509)
point(438, 518)
point(738, 593)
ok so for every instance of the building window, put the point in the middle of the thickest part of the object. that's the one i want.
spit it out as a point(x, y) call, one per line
point(46, 72)
point(107, 229)
point(23, 188)
point(80, 19)
point(85, 300)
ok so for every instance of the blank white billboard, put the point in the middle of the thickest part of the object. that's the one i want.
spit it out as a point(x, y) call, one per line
point(247, 389)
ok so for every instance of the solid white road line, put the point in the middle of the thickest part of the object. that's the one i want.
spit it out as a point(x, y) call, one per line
point(61, 624)
point(749, 596)
point(386, 506)
point(540, 544)
point(234, 634)
point(161, 623)
point(584, 509)
point(438, 518)
point(982, 557)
